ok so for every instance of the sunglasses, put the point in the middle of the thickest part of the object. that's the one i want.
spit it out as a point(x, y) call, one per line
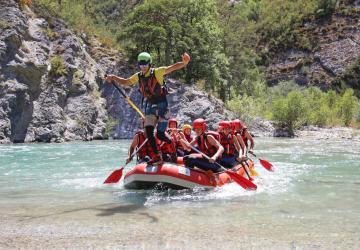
point(143, 63)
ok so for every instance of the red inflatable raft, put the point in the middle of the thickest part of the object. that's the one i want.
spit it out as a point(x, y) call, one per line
point(169, 175)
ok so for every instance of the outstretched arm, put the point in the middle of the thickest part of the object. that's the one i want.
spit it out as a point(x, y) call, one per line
point(118, 80)
point(178, 65)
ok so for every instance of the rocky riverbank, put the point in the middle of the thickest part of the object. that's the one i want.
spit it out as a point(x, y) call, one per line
point(328, 133)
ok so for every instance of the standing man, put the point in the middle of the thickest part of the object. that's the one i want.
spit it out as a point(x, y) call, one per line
point(151, 86)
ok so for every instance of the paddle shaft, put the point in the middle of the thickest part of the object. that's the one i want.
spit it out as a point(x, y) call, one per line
point(245, 183)
point(127, 99)
point(138, 149)
point(116, 175)
point(115, 85)
point(253, 154)
point(246, 171)
point(198, 151)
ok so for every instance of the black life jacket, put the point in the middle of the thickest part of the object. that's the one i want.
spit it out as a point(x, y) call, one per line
point(150, 88)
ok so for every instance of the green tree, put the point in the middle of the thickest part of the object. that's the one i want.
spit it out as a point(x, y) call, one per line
point(169, 28)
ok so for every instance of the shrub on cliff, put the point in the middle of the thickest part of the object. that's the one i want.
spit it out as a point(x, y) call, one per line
point(58, 67)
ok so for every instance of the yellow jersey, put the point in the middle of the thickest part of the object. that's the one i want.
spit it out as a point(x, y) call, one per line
point(159, 74)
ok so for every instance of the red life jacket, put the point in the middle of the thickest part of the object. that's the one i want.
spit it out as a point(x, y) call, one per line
point(188, 137)
point(168, 148)
point(228, 143)
point(203, 144)
point(150, 88)
point(146, 150)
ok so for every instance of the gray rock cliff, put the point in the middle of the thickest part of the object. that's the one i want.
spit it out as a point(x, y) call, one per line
point(48, 91)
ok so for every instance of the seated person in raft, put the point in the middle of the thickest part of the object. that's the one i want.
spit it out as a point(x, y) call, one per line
point(207, 144)
point(233, 154)
point(168, 150)
point(145, 153)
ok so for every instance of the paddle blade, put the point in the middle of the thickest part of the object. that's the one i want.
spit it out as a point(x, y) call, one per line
point(253, 172)
point(114, 177)
point(267, 165)
point(245, 183)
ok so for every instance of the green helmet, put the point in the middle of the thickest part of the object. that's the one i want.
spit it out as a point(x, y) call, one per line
point(144, 56)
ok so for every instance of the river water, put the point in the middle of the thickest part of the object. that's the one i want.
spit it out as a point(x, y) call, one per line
point(51, 195)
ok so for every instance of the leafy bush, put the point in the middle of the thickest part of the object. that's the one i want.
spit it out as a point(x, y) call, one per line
point(52, 35)
point(110, 124)
point(326, 7)
point(347, 107)
point(58, 67)
point(289, 112)
point(242, 105)
point(76, 14)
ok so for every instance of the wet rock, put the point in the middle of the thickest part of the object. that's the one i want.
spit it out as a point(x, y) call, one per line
point(283, 132)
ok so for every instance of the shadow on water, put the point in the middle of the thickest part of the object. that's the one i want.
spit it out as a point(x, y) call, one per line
point(111, 211)
point(107, 209)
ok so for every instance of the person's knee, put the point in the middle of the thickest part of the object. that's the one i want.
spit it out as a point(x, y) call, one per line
point(188, 161)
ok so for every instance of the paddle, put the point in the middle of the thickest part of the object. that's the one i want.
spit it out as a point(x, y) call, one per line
point(127, 99)
point(116, 175)
point(246, 171)
point(252, 170)
point(267, 165)
point(243, 182)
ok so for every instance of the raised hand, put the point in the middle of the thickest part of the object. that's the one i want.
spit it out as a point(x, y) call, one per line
point(185, 58)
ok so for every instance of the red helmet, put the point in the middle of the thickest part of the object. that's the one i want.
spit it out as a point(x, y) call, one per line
point(225, 124)
point(221, 123)
point(237, 122)
point(172, 120)
point(199, 123)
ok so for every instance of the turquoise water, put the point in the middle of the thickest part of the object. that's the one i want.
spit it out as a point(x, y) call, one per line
point(310, 201)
